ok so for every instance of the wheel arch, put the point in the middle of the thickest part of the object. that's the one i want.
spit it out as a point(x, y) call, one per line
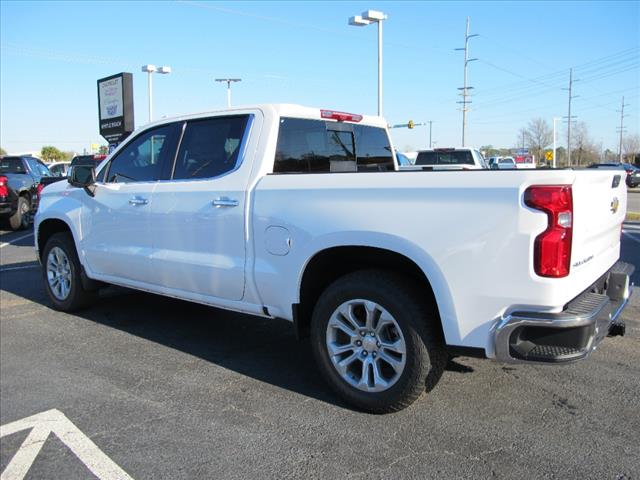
point(49, 227)
point(331, 263)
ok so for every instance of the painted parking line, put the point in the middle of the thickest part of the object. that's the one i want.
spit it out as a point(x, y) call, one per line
point(4, 244)
point(54, 421)
point(21, 267)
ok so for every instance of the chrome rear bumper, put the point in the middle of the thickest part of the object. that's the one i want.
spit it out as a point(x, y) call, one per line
point(570, 335)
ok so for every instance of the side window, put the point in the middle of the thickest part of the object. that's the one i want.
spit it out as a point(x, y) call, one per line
point(43, 169)
point(210, 147)
point(316, 146)
point(142, 159)
point(37, 167)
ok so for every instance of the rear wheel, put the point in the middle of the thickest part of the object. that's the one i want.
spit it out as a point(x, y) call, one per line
point(376, 342)
point(63, 274)
point(20, 219)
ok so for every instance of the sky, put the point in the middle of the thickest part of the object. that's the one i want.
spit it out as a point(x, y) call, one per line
point(52, 54)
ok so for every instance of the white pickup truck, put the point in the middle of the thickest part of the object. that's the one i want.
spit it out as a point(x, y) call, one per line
point(298, 213)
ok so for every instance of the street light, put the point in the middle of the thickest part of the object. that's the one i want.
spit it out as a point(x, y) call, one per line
point(229, 82)
point(368, 17)
point(150, 69)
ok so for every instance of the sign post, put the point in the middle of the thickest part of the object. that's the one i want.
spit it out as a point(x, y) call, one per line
point(115, 108)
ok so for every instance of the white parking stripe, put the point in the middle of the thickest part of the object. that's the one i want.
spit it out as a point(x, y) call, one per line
point(2, 245)
point(24, 267)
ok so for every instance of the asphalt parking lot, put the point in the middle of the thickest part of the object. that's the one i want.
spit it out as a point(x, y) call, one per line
point(146, 387)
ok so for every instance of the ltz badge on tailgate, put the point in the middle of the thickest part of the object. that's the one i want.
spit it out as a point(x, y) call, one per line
point(615, 203)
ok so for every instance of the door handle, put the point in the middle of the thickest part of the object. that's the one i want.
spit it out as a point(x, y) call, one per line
point(138, 201)
point(225, 202)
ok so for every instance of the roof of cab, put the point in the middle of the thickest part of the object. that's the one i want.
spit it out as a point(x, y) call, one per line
point(279, 109)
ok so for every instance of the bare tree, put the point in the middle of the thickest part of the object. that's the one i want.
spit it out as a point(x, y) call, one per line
point(583, 150)
point(538, 136)
point(631, 145)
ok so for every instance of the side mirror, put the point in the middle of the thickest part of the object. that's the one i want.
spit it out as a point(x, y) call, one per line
point(83, 176)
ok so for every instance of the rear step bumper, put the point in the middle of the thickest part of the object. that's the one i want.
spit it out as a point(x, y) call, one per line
point(541, 337)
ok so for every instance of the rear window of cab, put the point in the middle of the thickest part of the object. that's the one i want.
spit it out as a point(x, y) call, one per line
point(319, 146)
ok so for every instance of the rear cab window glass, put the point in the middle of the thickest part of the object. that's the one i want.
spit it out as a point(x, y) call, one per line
point(318, 146)
point(210, 147)
point(12, 165)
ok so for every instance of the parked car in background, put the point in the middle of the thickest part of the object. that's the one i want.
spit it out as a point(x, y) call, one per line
point(403, 160)
point(450, 159)
point(19, 180)
point(525, 160)
point(502, 163)
point(632, 172)
point(59, 169)
point(633, 176)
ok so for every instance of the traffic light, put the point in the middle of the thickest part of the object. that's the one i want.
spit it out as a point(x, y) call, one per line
point(410, 124)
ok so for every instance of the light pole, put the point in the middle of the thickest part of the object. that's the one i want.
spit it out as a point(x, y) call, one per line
point(555, 119)
point(150, 69)
point(229, 82)
point(368, 17)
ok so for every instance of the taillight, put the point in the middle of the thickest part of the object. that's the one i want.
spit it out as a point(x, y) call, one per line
point(40, 187)
point(552, 249)
point(340, 116)
point(4, 190)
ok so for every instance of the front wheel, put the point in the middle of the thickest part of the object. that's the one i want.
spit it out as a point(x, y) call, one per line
point(376, 341)
point(63, 274)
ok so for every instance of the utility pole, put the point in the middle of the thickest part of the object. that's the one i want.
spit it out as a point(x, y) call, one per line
point(430, 124)
point(622, 129)
point(229, 82)
point(554, 141)
point(465, 89)
point(569, 117)
point(523, 142)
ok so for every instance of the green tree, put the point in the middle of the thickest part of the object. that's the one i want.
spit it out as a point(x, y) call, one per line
point(2, 151)
point(51, 154)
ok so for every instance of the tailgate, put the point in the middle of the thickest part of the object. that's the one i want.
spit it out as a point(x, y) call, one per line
point(599, 208)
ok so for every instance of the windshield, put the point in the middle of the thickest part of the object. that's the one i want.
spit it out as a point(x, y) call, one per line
point(12, 165)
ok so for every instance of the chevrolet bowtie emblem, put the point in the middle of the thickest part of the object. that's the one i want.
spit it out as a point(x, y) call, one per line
point(614, 204)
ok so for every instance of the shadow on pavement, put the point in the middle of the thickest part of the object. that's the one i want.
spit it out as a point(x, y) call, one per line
point(256, 347)
point(264, 349)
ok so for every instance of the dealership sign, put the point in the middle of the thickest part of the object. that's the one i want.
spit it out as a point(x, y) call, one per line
point(115, 107)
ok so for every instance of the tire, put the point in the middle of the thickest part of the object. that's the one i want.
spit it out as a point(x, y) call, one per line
point(60, 261)
point(20, 219)
point(403, 342)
